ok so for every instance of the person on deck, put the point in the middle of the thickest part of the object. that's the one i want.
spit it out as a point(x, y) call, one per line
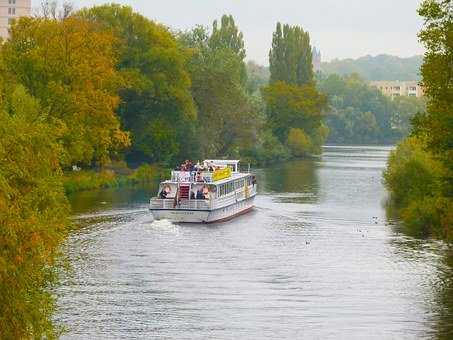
point(200, 195)
point(163, 194)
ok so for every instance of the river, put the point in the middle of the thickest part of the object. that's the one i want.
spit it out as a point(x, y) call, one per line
point(317, 258)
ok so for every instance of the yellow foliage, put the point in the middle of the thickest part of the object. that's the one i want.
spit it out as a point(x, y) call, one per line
point(70, 66)
point(33, 221)
point(299, 142)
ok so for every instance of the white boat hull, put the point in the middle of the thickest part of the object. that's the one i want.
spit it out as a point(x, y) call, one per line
point(204, 216)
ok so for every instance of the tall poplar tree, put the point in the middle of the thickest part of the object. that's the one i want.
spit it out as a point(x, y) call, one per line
point(294, 107)
point(290, 59)
point(227, 37)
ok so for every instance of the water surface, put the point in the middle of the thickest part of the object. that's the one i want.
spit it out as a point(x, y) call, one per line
point(317, 258)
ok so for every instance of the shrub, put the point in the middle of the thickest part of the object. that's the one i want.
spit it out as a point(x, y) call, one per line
point(415, 181)
point(299, 142)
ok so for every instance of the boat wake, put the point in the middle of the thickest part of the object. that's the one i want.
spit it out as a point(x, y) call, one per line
point(165, 226)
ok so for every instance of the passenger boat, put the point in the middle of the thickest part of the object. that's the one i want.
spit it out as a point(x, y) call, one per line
point(214, 191)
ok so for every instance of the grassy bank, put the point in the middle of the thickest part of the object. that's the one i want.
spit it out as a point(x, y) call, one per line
point(114, 177)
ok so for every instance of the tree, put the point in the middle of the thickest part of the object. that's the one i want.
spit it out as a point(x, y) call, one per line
point(156, 103)
point(419, 172)
point(33, 218)
point(299, 143)
point(290, 59)
point(359, 113)
point(436, 124)
point(228, 37)
point(228, 120)
point(69, 66)
point(292, 100)
point(292, 106)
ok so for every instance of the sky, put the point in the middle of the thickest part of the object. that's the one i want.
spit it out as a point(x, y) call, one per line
point(339, 28)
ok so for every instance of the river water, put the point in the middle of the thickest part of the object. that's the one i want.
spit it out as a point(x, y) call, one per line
point(317, 258)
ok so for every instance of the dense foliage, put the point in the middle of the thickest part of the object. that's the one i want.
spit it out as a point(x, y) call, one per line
point(420, 171)
point(361, 114)
point(69, 66)
point(33, 216)
point(380, 67)
point(156, 102)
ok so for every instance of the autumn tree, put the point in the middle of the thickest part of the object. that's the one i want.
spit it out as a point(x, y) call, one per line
point(33, 218)
point(156, 103)
point(69, 66)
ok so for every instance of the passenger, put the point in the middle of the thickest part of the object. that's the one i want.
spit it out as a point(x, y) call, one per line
point(192, 195)
point(165, 191)
point(200, 195)
point(205, 192)
point(163, 194)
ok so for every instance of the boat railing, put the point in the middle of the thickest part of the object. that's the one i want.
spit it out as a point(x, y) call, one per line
point(194, 204)
point(183, 176)
point(194, 176)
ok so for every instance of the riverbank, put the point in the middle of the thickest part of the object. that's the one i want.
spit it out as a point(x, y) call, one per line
point(113, 177)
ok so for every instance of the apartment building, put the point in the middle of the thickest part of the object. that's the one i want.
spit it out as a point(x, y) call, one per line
point(399, 88)
point(11, 9)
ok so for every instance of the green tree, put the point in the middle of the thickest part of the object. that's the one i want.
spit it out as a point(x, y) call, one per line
point(156, 103)
point(292, 106)
point(228, 37)
point(359, 113)
point(228, 120)
point(290, 59)
point(437, 72)
point(33, 218)
point(292, 99)
point(404, 108)
point(419, 173)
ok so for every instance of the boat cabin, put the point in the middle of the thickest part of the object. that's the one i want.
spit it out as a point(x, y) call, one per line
point(212, 179)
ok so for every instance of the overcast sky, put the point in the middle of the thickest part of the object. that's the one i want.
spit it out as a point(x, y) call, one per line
point(339, 28)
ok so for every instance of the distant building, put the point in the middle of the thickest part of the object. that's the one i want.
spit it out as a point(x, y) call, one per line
point(399, 88)
point(10, 10)
point(316, 59)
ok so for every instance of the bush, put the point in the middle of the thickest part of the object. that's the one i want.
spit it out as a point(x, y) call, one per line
point(415, 181)
point(89, 180)
point(267, 151)
point(145, 174)
point(299, 143)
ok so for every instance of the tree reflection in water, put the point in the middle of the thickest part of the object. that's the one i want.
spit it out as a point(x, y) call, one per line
point(444, 299)
point(298, 176)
